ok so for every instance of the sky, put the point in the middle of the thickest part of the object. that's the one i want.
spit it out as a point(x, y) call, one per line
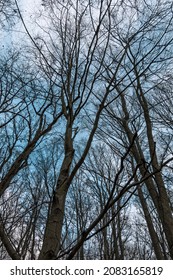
point(14, 34)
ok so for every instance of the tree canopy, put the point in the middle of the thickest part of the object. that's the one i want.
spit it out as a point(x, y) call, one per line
point(86, 130)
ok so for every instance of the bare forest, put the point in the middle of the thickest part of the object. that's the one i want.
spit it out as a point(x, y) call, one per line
point(86, 130)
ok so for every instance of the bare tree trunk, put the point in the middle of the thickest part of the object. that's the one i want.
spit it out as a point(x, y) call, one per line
point(105, 241)
point(52, 237)
point(153, 234)
point(116, 253)
point(159, 194)
point(7, 243)
point(163, 200)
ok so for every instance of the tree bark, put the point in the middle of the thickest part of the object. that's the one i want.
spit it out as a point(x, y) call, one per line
point(52, 236)
point(155, 187)
point(153, 234)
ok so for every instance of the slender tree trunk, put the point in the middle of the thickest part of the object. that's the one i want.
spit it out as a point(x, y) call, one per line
point(163, 200)
point(52, 236)
point(116, 253)
point(105, 241)
point(153, 234)
point(158, 194)
point(119, 235)
point(8, 245)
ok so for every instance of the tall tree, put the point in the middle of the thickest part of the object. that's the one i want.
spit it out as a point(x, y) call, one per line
point(92, 67)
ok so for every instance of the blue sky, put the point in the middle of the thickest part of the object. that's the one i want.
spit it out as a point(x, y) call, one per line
point(14, 34)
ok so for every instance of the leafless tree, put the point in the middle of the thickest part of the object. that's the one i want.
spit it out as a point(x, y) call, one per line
point(8, 12)
point(92, 75)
